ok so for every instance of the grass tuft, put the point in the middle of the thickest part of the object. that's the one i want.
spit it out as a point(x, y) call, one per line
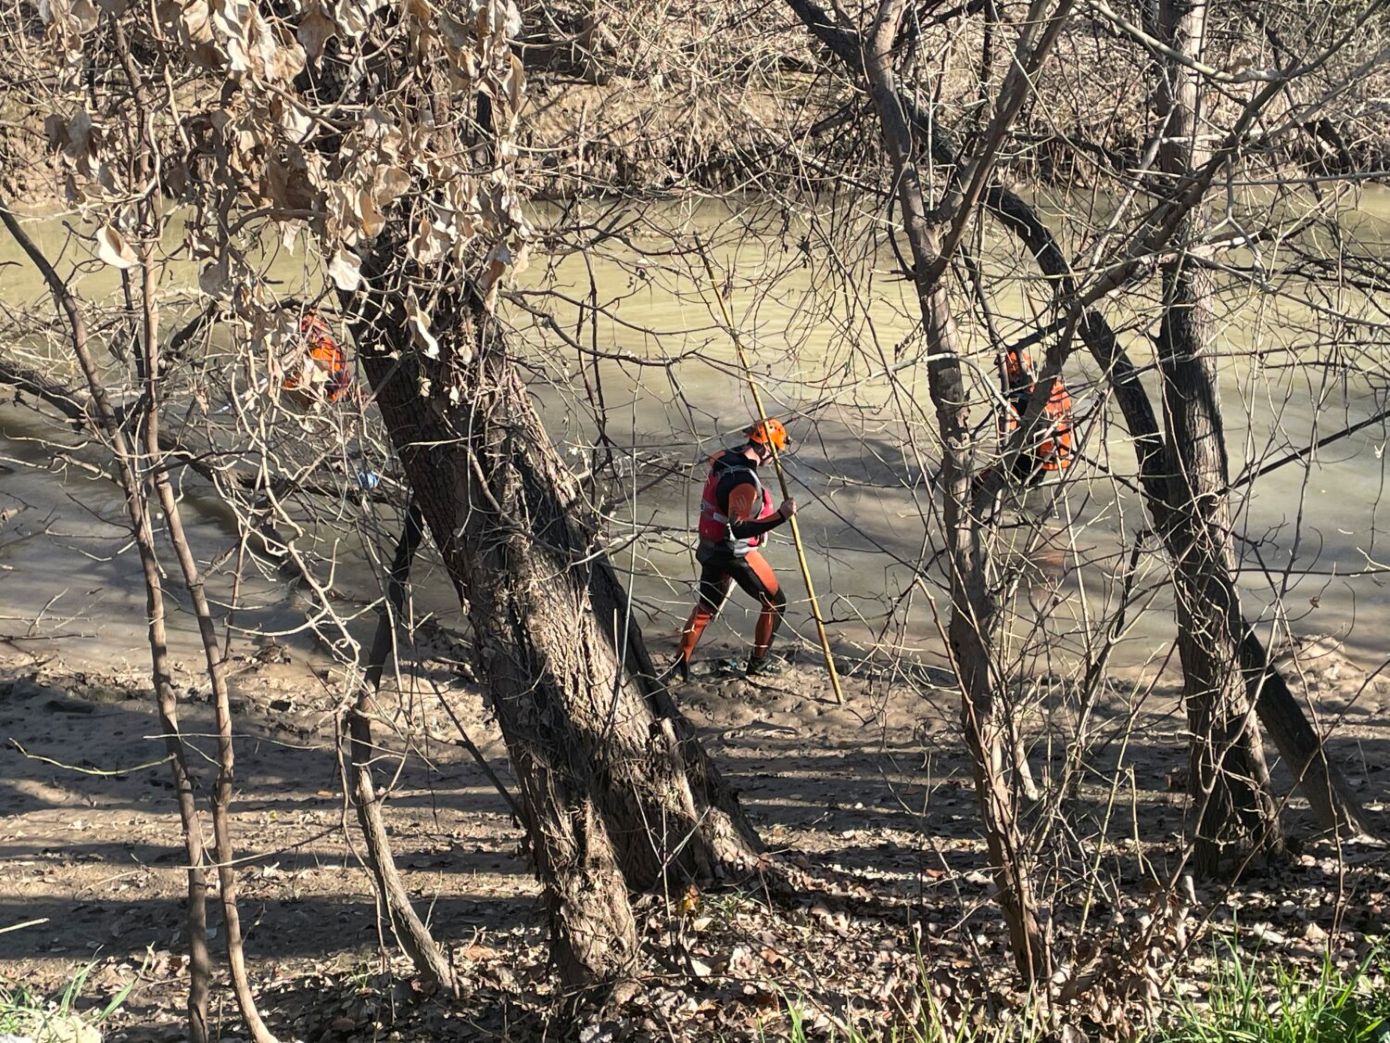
point(24, 1012)
point(1250, 999)
point(1255, 1001)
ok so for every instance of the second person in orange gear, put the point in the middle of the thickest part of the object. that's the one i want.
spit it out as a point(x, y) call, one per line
point(320, 368)
point(1052, 454)
point(736, 513)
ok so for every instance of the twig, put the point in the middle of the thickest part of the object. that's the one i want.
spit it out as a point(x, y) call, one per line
point(104, 772)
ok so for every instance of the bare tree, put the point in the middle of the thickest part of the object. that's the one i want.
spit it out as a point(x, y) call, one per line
point(973, 605)
point(1277, 708)
point(1235, 813)
point(137, 502)
point(613, 786)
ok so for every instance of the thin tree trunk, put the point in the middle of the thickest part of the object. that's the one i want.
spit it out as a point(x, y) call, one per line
point(137, 509)
point(973, 608)
point(207, 632)
point(1235, 813)
point(410, 931)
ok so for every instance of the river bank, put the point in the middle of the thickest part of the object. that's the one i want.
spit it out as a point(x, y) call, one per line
point(870, 801)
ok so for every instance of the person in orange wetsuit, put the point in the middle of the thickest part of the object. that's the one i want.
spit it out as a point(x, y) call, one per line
point(322, 370)
point(1052, 454)
point(736, 513)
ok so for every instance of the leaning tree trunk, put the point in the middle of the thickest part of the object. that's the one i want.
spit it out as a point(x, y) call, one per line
point(465, 473)
point(615, 791)
point(973, 608)
point(1235, 816)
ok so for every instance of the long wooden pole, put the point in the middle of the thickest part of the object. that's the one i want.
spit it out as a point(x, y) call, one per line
point(781, 477)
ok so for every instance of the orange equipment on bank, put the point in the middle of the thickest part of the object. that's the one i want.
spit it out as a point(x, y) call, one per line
point(1053, 453)
point(322, 370)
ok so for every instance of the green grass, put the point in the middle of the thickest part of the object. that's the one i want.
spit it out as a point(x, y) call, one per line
point(930, 1026)
point(1251, 1001)
point(23, 1011)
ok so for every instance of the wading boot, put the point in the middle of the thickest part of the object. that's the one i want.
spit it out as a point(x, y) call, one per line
point(678, 672)
point(764, 666)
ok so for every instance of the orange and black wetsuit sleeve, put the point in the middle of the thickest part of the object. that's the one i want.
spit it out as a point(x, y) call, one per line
point(744, 505)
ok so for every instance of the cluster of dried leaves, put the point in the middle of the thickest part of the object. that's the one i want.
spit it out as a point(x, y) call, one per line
point(265, 123)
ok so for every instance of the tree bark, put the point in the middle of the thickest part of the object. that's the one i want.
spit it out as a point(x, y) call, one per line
point(616, 792)
point(1235, 817)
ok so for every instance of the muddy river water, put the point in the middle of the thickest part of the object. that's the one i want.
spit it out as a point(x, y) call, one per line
point(833, 345)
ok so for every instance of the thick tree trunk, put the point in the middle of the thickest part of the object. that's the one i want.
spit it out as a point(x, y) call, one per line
point(973, 607)
point(615, 791)
point(1235, 816)
point(532, 649)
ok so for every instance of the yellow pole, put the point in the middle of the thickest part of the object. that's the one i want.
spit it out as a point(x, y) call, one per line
point(781, 477)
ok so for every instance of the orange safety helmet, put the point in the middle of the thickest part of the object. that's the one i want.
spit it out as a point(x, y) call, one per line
point(769, 432)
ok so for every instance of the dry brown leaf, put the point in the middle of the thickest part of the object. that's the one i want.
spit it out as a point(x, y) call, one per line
point(373, 220)
point(391, 183)
point(196, 22)
point(345, 270)
point(420, 328)
point(314, 31)
point(515, 83)
point(429, 242)
point(85, 15)
point(113, 249)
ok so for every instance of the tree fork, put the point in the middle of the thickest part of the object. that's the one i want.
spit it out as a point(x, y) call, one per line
point(593, 933)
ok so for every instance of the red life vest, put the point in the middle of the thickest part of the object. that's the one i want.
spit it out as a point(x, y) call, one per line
point(714, 514)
